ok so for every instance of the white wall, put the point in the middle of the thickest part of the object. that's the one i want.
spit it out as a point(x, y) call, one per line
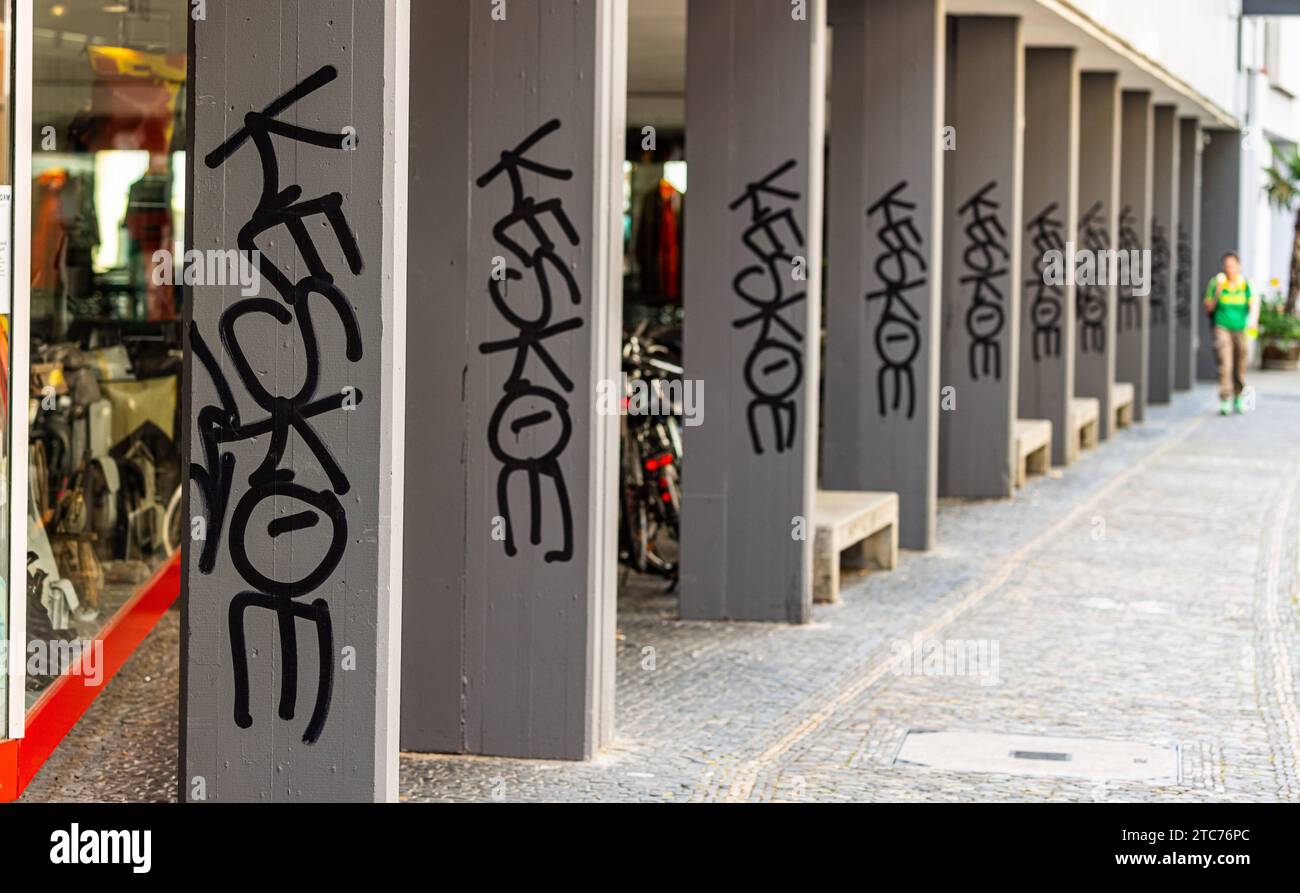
point(1272, 59)
point(1282, 232)
point(1196, 40)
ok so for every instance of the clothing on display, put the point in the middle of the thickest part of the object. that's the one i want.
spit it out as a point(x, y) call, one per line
point(64, 234)
point(149, 225)
point(657, 242)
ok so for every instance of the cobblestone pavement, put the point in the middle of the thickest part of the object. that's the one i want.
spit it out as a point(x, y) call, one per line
point(1145, 595)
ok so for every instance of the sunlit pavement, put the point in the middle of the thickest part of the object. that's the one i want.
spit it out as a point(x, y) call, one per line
point(1138, 608)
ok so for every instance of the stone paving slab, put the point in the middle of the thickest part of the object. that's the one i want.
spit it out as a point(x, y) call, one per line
point(1147, 594)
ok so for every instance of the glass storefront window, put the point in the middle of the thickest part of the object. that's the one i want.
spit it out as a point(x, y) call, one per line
point(6, 305)
point(104, 471)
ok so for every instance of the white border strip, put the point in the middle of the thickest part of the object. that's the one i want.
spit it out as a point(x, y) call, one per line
point(397, 73)
point(20, 30)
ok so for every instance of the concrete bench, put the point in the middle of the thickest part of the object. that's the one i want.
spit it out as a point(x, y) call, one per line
point(1121, 402)
point(1033, 448)
point(864, 523)
point(1085, 425)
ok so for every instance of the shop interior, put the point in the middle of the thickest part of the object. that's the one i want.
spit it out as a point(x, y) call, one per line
point(6, 304)
point(654, 209)
point(108, 192)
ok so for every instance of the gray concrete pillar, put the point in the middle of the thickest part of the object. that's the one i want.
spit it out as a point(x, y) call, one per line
point(1164, 257)
point(755, 94)
point(1190, 146)
point(1220, 229)
point(1047, 341)
point(982, 245)
point(883, 261)
point(1099, 144)
point(292, 579)
point(517, 144)
point(1134, 238)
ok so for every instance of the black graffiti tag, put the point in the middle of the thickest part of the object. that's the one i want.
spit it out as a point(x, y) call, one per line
point(1159, 274)
point(1130, 243)
point(985, 259)
point(774, 367)
point(1047, 232)
point(269, 483)
point(1091, 297)
point(526, 407)
point(901, 268)
point(1183, 275)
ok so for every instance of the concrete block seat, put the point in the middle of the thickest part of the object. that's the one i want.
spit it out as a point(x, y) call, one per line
point(1033, 448)
point(864, 523)
point(1121, 402)
point(1085, 425)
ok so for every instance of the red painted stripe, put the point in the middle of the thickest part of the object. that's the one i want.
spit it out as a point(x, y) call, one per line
point(8, 771)
point(69, 696)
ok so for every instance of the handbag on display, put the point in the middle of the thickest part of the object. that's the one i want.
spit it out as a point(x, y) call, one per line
point(74, 549)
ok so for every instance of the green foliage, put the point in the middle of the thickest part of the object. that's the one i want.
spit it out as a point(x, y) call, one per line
point(1276, 324)
point(1283, 186)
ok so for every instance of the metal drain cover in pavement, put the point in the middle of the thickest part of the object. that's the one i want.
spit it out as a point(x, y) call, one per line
point(1091, 758)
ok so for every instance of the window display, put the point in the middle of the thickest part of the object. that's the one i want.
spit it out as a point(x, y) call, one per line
point(103, 448)
point(654, 205)
point(7, 599)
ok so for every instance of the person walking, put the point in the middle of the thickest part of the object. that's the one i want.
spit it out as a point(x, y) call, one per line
point(1227, 300)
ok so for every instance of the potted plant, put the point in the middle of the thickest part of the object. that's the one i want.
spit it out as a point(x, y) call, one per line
point(1279, 336)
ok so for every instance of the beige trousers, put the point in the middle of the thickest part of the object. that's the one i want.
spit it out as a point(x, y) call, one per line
point(1230, 351)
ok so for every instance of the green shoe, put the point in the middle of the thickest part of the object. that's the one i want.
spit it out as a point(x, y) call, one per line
point(1238, 406)
point(1225, 407)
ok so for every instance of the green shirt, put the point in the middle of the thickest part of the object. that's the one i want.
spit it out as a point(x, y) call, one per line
point(1232, 302)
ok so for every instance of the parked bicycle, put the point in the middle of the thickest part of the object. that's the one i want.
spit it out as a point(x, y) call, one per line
point(650, 463)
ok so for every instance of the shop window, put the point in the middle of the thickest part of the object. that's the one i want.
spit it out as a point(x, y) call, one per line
point(108, 134)
point(6, 354)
